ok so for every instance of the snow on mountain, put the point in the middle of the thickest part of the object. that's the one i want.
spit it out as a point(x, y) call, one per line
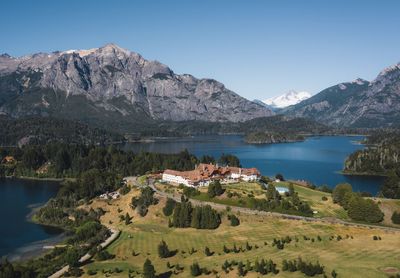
point(290, 98)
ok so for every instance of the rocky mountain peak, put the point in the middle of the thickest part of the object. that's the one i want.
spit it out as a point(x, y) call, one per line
point(111, 79)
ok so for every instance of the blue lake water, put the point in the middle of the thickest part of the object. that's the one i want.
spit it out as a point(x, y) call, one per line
point(317, 159)
point(18, 236)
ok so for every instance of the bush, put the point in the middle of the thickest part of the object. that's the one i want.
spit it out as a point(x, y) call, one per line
point(324, 198)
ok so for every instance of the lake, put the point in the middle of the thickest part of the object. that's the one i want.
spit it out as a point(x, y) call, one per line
point(20, 238)
point(318, 159)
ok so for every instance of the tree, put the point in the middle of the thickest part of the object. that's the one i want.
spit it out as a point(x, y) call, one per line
point(279, 177)
point(396, 217)
point(234, 220)
point(229, 160)
point(72, 257)
point(291, 189)
point(195, 269)
point(169, 207)
point(128, 219)
point(215, 189)
point(340, 191)
point(148, 269)
point(208, 252)
point(163, 250)
point(241, 271)
point(271, 192)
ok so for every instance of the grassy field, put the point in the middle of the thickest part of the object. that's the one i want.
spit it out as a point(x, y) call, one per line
point(360, 256)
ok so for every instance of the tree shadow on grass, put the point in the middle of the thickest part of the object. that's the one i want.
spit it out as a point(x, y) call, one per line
point(165, 274)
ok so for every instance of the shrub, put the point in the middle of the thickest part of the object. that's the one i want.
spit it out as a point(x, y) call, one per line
point(324, 198)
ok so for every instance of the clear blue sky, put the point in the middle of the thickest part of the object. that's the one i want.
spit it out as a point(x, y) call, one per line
point(256, 48)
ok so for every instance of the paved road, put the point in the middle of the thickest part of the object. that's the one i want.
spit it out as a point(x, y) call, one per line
point(114, 235)
point(177, 198)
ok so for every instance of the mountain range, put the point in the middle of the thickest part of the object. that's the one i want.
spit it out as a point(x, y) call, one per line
point(115, 87)
point(359, 103)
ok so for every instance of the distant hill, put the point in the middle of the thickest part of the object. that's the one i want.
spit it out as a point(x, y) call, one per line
point(360, 103)
point(114, 88)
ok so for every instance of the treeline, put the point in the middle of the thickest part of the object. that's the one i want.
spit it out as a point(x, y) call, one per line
point(357, 207)
point(60, 160)
point(278, 123)
point(43, 130)
point(381, 157)
point(272, 137)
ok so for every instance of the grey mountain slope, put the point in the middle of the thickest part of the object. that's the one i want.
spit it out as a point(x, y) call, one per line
point(93, 84)
point(356, 104)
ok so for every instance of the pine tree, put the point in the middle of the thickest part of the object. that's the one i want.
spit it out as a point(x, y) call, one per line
point(195, 269)
point(163, 250)
point(148, 269)
point(241, 271)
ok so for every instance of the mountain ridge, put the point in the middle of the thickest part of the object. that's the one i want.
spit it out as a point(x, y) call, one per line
point(358, 103)
point(112, 80)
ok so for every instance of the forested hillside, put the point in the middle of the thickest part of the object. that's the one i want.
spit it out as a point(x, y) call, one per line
point(43, 130)
point(381, 157)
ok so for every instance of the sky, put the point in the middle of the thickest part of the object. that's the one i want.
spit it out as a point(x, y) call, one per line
point(258, 49)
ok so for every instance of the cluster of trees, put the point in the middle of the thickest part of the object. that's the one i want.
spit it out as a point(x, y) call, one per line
point(263, 267)
point(272, 137)
point(196, 270)
point(215, 189)
point(358, 208)
point(235, 249)
point(145, 200)
point(309, 269)
point(275, 202)
point(202, 217)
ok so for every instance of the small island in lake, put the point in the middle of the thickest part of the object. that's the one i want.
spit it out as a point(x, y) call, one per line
point(272, 137)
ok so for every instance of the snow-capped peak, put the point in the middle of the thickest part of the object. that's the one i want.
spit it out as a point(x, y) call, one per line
point(290, 98)
point(81, 52)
